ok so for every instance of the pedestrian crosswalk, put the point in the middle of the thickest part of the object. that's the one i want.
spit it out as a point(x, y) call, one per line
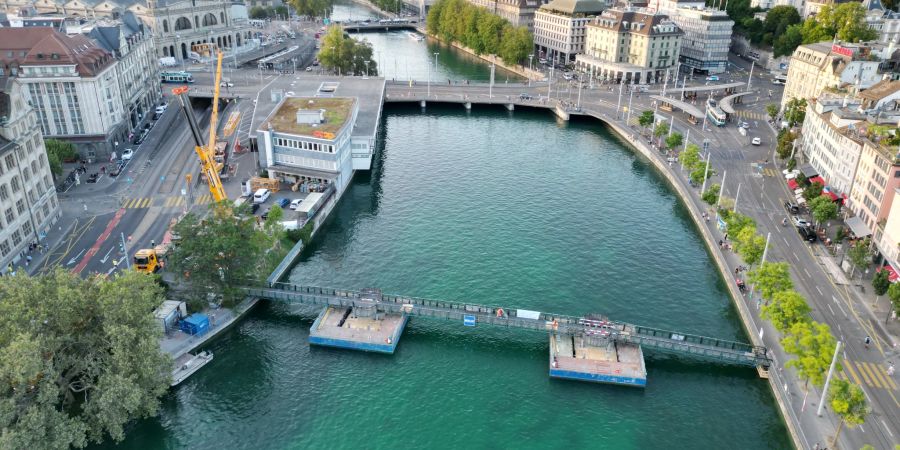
point(869, 374)
point(172, 201)
point(750, 115)
point(769, 172)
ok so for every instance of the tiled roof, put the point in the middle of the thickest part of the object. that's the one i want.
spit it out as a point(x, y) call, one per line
point(46, 46)
point(623, 21)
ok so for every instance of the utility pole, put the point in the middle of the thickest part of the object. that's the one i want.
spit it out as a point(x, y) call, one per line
point(705, 174)
point(736, 197)
point(750, 78)
point(630, 97)
point(619, 104)
point(837, 350)
point(578, 104)
point(125, 251)
point(550, 84)
point(672, 125)
point(721, 191)
point(491, 85)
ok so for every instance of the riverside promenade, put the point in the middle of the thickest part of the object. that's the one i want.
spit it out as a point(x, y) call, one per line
point(798, 408)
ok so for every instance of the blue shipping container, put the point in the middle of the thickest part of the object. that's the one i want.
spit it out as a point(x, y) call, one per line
point(195, 324)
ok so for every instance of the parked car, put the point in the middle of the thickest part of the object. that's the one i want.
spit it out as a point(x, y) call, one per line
point(792, 208)
point(309, 69)
point(161, 108)
point(226, 84)
point(282, 202)
point(127, 154)
point(254, 208)
point(296, 203)
point(261, 195)
point(807, 234)
point(524, 96)
point(800, 223)
point(756, 141)
point(712, 78)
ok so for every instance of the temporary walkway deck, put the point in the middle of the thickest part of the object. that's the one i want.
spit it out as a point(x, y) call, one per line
point(684, 106)
point(706, 88)
point(593, 329)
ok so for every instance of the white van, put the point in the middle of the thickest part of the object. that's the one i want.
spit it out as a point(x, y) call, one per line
point(261, 195)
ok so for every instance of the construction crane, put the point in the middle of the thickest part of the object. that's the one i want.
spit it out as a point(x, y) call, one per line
point(149, 260)
point(206, 150)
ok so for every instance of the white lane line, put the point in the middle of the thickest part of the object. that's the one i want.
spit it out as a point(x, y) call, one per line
point(887, 428)
point(796, 257)
point(785, 240)
point(820, 291)
point(832, 311)
point(842, 310)
point(807, 272)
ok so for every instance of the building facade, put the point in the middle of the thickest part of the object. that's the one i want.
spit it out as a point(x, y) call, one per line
point(180, 26)
point(815, 67)
point(831, 141)
point(28, 204)
point(877, 178)
point(560, 28)
point(516, 12)
point(630, 46)
point(137, 68)
point(73, 85)
point(707, 38)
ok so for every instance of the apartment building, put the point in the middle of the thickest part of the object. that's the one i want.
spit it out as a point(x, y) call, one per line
point(707, 33)
point(634, 46)
point(516, 12)
point(831, 142)
point(815, 67)
point(28, 203)
point(560, 28)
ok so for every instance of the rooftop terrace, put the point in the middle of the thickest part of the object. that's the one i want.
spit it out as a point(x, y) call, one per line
point(337, 109)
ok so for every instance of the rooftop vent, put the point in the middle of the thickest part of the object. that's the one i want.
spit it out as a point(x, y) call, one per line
point(310, 116)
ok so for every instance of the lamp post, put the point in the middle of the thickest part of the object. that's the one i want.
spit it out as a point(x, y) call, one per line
point(530, 67)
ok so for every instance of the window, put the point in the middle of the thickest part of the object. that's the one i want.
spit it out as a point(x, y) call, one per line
point(4, 248)
point(26, 229)
point(4, 192)
point(20, 206)
point(10, 215)
point(15, 184)
point(16, 237)
point(10, 162)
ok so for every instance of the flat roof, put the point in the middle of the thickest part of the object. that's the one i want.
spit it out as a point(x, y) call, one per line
point(337, 110)
point(368, 92)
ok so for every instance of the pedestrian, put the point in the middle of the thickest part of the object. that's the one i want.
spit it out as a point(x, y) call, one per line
point(726, 236)
point(890, 370)
point(867, 342)
point(720, 243)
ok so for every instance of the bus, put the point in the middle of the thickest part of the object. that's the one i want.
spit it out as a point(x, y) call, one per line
point(779, 79)
point(176, 77)
point(715, 114)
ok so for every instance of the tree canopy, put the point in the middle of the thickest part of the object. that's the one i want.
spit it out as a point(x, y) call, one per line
point(57, 153)
point(646, 119)
point(881, 282)
point(795, 111)
point(823, 208)
point(771, 277)
point(849, 402)
point(478, 29)
point(218, 252)
point(79, 358)
point(785, 309)
point(813, 345)
point(860, 255)
point(315, 8)
point(346, 55)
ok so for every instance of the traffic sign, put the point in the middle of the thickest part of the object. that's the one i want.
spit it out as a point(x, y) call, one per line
point(469, 321)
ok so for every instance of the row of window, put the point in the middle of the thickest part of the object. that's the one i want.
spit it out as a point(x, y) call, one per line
point(304, 145)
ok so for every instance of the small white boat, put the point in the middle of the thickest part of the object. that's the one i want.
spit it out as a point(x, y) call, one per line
point(187, 364)
point(415, 36)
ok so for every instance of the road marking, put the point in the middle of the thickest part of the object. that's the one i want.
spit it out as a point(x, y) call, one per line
point(868, 374)
point(100, 240)
point(842, 310)
point(849, 369)
point(820, 291)
point(887, 428)
point(807, 272)
point(882, 376)
point(75, 258)
point(106, 257)
point(832, 311)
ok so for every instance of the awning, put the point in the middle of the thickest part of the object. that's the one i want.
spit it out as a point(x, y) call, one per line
point(858, 227)
point(893, 276)
point(830, 194)
point(809, 171)
point(816, 179)
point(793, 184)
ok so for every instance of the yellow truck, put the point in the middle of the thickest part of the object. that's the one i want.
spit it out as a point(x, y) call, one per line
point(150, 260)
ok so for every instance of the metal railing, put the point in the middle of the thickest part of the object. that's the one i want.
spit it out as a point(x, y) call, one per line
point(595, 330)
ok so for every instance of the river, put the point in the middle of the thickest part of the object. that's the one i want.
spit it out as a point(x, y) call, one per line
point(496, 207)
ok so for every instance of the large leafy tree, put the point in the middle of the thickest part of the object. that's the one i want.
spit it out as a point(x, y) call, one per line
point(823, 208)
point(480, 30)
point(846, 21)
point(813, 191)
point(813, 345)
point(57, 153)
point(786, 309)
point(894, 294)
point(795, 111)
point(849, 402)
point(346, 55)
point(770, 278)
point(674, 141)
point(860, 255)
point(316, 8)
point(690, 157)
point(221, 251)
point(79, 358)
point(881, 282)
point(749, 245)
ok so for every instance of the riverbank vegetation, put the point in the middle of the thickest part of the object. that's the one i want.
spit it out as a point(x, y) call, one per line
point(312, 8)
point(79, 358)
point(478, 29)
point(346, 55)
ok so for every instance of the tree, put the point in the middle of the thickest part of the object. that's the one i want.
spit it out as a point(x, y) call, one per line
point(749, 245)
point(813, 345)
point(700, 174)
point(847, 22)
point(478, 29)
point(315, 8)
point(822, 208)
point(894, 295)
point(881, 282)
point(785, 144)
point(795, 111)
point(711, 196)
point(770, 278)
point(646, 119)
point(674, 141)
point(780, 18)
point(849, 402)
point(660, 129)
point(259, 12)
point(346, 55)
point(57, 153)
point(772, 109)
point(786, 43)
point(220, 251)
point(79, 358)
point(859, 255)
point(786, 309)
point(812, 192)
point(690, 157)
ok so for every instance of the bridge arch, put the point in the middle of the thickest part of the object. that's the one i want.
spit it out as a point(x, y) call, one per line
point(209, 20)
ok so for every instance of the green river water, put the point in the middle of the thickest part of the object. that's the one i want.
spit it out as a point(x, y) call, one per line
point(512, 209)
